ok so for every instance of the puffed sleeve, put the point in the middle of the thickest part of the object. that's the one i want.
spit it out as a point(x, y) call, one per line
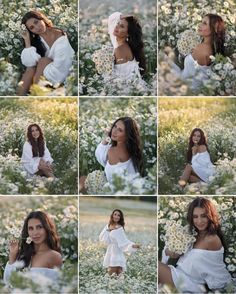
point(9, 268)
point(47, 155)
point(62, 56)
point(29, 56)
point(123, 243)
point(104, 236)
point(101, 153)
point(29, 162)
point(112, 22)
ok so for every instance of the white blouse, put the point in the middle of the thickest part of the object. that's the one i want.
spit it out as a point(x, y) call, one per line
point(51, 275)
point(31, 163)
point(111, 169)
point(202, 166)
point(198, 267)
point(61, 53)
point(117, 244)
point(130, 69)
point(192, 70)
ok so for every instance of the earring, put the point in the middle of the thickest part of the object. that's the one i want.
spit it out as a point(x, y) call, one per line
point(127, 38)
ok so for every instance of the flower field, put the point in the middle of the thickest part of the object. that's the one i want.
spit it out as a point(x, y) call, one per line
point(177, 16)
point(58, 119)
point(65, 214)
point(140, 219)
point(175, 209)
point(98, 114)
point(93, 35)
point(177, 118)
point(63, 15)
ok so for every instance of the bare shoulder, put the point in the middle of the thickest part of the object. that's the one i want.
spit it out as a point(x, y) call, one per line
point(213, 242)
point(123, 53)
point(57, 33)
point(55, 258)
point(201, 54)
point(202, 148)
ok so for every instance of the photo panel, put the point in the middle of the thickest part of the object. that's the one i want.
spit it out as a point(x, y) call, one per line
point(39, 244)
point(197, 146)
point(38, 146)
point(117, 146)
point(118, 244)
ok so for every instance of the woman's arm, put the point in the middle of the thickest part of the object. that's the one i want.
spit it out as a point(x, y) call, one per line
point(29, 162)
point(47, 155)
point(10, 266)
point(171, 254)
point(104, 235)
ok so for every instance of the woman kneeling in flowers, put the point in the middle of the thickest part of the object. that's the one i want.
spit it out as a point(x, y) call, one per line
point(200, 167)
point(47, 52)
point(114, 236)
point(36, 158)
point(120, 153)
point(203, 264)
point(38, 250)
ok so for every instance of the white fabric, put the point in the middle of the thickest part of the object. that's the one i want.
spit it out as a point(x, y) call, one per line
point(61, 53)
point(34, 272)
point(192, 70)
point(31, 163)
point(130, 69)
point(111, 169)
point(198, 267)
point(202, 166)
point(117, 244)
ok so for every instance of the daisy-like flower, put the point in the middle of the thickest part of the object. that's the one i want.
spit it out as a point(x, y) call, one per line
point(28, 240)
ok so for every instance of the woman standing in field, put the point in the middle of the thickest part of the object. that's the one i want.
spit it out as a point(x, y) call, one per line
point(114, 236)
point(38, 250)
point(47, 52)
point(199, 167)
point(36, 158)
point(203, 264)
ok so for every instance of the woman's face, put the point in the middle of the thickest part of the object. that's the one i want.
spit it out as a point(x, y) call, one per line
point(196, 137)
point(35, 132)
point(36, 26)
point(121, 29)
point(118, 132)
point(204, 29)
point(36, 231)
point(200, 219)
point(116, 216)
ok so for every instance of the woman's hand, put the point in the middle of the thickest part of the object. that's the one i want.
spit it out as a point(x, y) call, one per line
point(26, 36)
point(136, 246)
point(42, 164)
point(13, 250)
point(171, 253)
point(107, 138)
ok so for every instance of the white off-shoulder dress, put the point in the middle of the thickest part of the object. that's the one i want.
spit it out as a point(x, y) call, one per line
point(194, 72)
point(198, 267)
point(61, 53)
point(110, 169)
point(117, 244)
point(31, 163)
point(130, 69)
point(49, 275)
point(202, 166)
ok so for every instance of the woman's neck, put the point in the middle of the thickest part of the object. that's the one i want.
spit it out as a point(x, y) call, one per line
point(207, 40)
point(120, 41)
point(41, 247)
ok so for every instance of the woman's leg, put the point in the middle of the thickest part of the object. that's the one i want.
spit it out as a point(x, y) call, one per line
point(42, 63)
point(164, 274)
point(46, 171)
point(186, 175)
point(82, 184)
point(26, 81)
point(114, 270)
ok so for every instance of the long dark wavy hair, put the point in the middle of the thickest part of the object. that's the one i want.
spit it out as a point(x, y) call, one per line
point(135, 41)
point(52, 239)
point(214, 226)
point(133, 142)
point(38, 146)
point(217, 27)
point(203, 141)
point(121, 221)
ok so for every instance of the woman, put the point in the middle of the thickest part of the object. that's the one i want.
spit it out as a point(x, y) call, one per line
point(114, 236)
point(36, 158)
point(200, 167)
point(203, 264)
point(126, 37)
point(197, 63)
point(39, 248)
point(123, 153)
point(47, 52)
